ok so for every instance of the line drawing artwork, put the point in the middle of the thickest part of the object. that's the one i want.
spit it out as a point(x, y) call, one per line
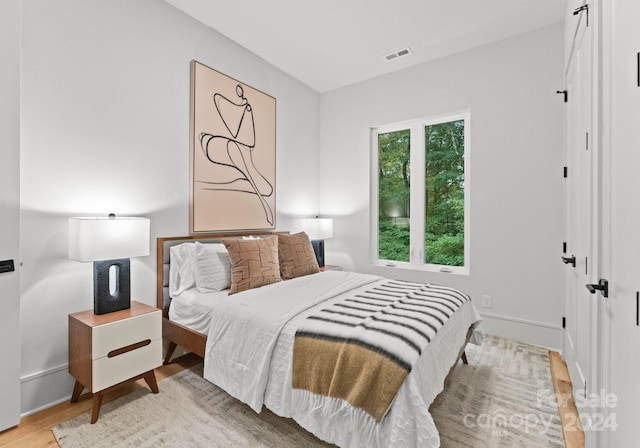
point(232, 151)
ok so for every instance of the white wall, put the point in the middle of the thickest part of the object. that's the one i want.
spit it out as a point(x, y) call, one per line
point(105, 128)
point(10, 211)
point(516, 165)
point(105, 102)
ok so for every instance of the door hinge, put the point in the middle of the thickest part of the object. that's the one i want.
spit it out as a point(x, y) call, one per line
point(637, 308)
point(564, 322)
point(565, 172)
point(585, 389)
point(587, 142)
point(565, 93)
point(580, 9)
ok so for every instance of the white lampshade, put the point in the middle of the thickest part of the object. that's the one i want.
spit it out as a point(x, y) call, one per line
point(318, 228)
point(108, 238)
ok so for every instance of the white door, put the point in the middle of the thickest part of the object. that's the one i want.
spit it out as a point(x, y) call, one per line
point(622, 191)
point(580, 208)
point(9, 213)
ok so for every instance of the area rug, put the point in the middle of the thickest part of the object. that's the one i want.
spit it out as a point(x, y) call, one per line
point(503, 398)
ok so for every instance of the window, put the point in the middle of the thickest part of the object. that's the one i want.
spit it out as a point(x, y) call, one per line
point(420, 191)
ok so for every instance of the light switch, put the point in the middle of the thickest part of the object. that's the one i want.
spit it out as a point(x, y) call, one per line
point(6, 266)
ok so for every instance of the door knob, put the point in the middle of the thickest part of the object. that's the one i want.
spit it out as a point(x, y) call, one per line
point(570, 260)
point(602, 285)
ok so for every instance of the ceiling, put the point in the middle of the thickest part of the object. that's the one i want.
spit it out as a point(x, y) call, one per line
point(327, 44)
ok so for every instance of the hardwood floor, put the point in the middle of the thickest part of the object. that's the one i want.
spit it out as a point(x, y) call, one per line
point(571, 427)
point(34, 431)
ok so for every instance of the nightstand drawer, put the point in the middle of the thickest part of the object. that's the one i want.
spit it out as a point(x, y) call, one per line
point(122, 333)
point(109, 371)
point(107, 350)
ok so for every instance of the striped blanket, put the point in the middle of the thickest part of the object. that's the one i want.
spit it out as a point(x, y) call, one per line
point(361, 349)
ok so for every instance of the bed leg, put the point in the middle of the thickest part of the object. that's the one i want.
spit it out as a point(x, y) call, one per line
point(464, 358)
point(170, 349)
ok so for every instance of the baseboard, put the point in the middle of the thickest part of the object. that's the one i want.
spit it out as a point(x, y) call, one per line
point(531, 332)
point(41, 390)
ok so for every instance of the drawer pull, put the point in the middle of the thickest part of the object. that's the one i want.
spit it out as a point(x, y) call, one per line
point(128, 348)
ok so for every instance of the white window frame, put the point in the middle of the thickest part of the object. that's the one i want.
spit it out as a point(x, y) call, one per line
point(416, 222)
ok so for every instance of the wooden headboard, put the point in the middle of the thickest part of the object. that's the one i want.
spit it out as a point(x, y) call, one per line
point(174, 333)
point(163, 260)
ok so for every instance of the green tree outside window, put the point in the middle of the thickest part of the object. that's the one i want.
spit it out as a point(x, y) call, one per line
point(444, 194)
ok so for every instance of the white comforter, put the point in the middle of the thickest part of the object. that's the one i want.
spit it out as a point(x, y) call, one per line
point(249, 350)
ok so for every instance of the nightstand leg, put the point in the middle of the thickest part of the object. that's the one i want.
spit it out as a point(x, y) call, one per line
point(77, 390)
point(150, 378)
point(464, 358)
point(97, 402)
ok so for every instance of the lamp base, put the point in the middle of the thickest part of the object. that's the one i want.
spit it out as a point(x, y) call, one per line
point(318, 249)
point(111, 285)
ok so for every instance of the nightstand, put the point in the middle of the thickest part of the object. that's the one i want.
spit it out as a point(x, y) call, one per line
point(330, 267)
point(108, 350)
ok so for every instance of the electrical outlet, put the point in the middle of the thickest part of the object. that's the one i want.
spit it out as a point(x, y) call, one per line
point(486, 301)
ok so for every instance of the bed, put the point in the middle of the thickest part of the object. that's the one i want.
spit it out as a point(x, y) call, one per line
point(259, 359)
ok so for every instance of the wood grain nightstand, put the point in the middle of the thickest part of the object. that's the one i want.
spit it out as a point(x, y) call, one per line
point(108, 350)
point(330, 267)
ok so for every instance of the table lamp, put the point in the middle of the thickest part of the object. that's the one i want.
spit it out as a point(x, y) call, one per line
point(318, 230)
point(109, 242)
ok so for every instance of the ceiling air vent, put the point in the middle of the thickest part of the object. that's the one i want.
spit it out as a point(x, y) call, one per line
point(397, 54)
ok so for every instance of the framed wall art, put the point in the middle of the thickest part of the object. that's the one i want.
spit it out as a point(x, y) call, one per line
point(233, 154)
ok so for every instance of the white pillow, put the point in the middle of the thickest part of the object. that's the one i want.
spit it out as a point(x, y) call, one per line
point(213, 267)
point(182, 273)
